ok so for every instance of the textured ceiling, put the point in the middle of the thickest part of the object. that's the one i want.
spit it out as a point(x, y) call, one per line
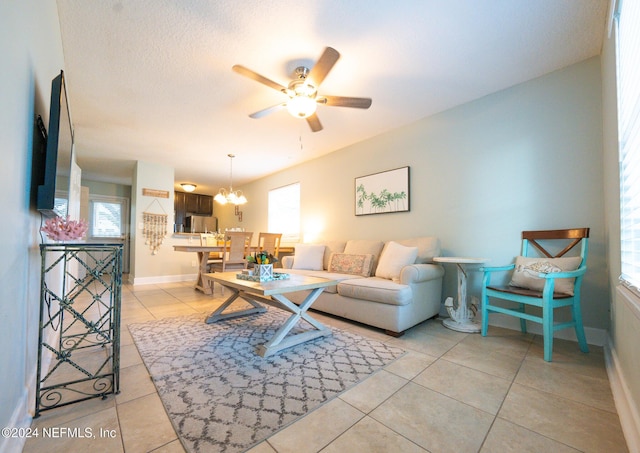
point(151, 80)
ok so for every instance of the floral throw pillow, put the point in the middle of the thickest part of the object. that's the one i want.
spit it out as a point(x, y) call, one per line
point(345, 263)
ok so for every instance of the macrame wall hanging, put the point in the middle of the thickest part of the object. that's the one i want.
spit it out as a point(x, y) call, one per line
point(154, 228)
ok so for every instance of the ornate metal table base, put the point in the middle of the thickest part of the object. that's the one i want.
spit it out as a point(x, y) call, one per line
point(79, 344)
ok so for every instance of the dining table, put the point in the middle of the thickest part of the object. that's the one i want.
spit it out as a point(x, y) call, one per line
point(203, 257)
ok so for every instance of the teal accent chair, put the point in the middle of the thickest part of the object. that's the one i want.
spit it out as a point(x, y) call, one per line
point(538, 283)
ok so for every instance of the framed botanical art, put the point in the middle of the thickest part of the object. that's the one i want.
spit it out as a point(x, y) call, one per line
point(383, 192)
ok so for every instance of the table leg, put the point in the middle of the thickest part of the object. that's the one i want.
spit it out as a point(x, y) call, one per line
point(461, 317)
point(201, 283)
point(218, 314)
point(280, 339)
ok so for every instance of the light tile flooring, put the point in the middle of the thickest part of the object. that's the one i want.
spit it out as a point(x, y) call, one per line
point(451, 392)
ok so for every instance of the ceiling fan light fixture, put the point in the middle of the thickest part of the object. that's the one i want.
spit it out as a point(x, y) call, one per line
point(188, 187)
point(301, 106)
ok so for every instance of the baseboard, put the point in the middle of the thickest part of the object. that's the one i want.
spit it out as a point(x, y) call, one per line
point(163, 279)
point(596, 337)
point(626, 407)
point(21, 418)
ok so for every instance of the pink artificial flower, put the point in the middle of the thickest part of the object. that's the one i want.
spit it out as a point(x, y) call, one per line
point(63, 229)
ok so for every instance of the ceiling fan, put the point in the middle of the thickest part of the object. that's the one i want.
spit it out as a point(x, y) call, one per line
point(303, 90)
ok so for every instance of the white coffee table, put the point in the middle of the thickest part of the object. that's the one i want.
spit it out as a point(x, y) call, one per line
point(273, 293)
point(461, 318)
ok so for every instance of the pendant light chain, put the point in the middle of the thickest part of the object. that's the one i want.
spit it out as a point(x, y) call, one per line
point(231, 171)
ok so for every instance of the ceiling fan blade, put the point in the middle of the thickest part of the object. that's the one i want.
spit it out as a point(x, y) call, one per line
point(258, 78)
point(268, 110)
point(322, 67)
point(341, 101)
point(314, 123)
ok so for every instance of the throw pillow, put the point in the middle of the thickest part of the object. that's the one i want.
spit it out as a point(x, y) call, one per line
point(525, 274)
point(308, 256)
point(394, 257)
point(345, 263)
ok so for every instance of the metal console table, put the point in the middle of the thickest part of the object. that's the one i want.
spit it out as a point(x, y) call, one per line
point(79, 339)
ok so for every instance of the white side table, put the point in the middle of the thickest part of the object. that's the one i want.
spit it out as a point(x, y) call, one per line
point(461, 317)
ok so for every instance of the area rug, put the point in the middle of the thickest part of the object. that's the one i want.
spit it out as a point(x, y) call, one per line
point(221, 396)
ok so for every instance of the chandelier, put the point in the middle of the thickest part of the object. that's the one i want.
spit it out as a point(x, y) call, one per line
point(225, 196)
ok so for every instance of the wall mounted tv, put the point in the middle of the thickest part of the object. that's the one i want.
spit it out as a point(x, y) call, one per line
point(59, 149)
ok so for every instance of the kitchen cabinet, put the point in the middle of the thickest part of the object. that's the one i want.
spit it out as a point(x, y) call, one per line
point(205, 205)
point(192, 204)
point(179, 206)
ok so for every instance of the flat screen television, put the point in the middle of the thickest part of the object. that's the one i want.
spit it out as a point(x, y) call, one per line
point(56, 167)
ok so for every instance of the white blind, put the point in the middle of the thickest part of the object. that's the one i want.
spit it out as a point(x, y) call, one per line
point(106, 220)
point(629, 138)
point(284, 212)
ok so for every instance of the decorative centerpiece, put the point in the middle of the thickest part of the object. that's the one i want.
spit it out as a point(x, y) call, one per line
point(62, 229)
point(262, 265)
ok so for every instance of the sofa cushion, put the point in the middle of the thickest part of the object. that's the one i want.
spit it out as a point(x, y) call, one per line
point(323, 274)
point(394, 257)
point(428, 248)
point(345, 263)
point(332, 247)
point(308, 256)
point(365, 247)
point(527, 269)
point(376, 290)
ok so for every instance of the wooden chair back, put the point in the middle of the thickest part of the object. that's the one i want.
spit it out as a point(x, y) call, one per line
point(208, 239)
point(211, 239)
point(270, 243)
point(543, 240)
point(238, 247)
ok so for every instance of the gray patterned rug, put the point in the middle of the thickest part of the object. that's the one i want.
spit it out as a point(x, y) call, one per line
point(221, 396)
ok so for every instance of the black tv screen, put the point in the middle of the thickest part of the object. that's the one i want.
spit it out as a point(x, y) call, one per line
point(59, 146)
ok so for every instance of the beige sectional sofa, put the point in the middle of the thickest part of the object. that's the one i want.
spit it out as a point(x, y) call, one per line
point(392, 286)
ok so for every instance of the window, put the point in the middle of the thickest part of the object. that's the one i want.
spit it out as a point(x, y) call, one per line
point(284, 212)
point(628, 23)
point(107, 217)
point(60, 203)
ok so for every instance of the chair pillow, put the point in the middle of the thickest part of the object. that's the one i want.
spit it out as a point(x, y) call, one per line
point(345, 263)
point(394, 257)
point(527, 269)
point(308, 256)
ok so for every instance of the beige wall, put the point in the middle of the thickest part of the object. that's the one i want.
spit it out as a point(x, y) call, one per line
point(529, 157)
point(148, 175)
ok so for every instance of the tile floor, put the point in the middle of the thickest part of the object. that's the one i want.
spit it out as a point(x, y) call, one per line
point(451, 392)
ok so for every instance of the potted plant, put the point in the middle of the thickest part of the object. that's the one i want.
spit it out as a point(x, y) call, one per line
point(262, 265)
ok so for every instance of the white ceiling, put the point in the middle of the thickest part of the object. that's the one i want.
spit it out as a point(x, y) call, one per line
point(151, 80)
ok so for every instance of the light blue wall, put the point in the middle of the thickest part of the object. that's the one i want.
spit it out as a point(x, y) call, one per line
point(528, 157)
point(107, 188)
point(31, 49)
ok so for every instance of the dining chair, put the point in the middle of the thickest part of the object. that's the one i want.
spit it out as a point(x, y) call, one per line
point(542, 277)
point(214, 257)
point(270, 243)
point(237, 244)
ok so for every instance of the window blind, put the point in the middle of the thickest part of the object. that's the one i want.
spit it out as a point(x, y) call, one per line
point(628, 27)
point(284, 212)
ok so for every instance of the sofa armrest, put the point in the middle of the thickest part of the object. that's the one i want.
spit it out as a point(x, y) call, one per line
point(415, 273)
point(287, 262)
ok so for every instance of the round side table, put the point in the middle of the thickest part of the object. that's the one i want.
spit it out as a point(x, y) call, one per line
point(462, 316)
